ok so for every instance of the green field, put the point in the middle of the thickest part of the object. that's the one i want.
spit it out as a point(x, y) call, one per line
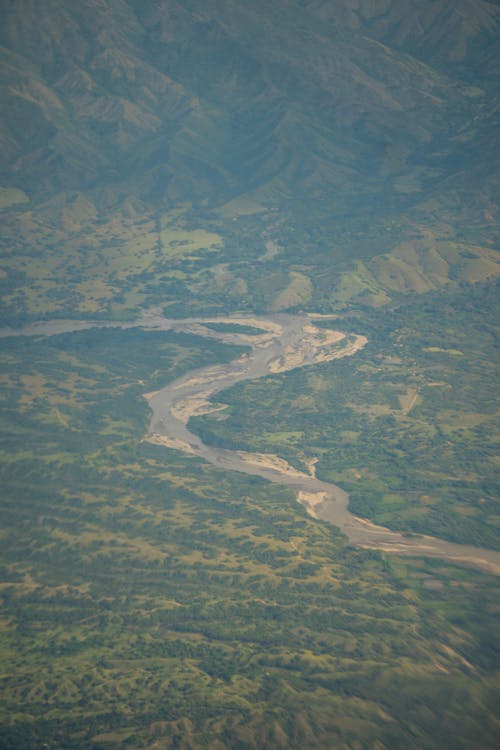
point(409, 426)
point(221, 160)
point(150, 600)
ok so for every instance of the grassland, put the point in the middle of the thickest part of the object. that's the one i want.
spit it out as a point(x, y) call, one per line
point(149, 600)
point(12, 197)
point(419, 265)
point(111, 267)
point(199, 160)
point(69, 256)
point(409, 427)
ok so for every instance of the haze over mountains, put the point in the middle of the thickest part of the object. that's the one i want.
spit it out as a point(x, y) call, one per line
point(352, 117)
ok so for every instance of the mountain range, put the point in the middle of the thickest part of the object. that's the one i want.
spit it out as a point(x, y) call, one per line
point(343, 119)
point(245, 158)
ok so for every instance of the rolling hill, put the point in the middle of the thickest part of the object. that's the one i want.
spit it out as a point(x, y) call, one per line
point(207, 157)
point(332, 115)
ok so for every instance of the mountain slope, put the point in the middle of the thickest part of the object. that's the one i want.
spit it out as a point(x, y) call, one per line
point(200, 157)
point(332, 116)
point(460, 35)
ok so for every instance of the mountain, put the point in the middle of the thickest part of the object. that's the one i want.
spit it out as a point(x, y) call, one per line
point(209, 157)
point(337, 113)
point(460, 36)
point(243, 92)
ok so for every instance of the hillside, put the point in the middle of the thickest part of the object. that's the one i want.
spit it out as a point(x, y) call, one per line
point(332, 118)
point(215, 161)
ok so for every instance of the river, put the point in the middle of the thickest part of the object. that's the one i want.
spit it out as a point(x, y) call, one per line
point(285, 342)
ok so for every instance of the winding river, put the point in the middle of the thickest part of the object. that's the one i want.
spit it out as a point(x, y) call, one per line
point(283, 342)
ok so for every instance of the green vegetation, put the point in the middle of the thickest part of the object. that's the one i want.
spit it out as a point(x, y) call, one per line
point(111, 269)
point(12, 197)
point(218, 156)
point(409, 426)
point(160, 167)
point(149, 598)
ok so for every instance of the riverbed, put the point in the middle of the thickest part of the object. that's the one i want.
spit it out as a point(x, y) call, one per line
point(284, 342)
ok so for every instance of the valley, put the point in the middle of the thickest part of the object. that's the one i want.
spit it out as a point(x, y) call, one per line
point(293, 342)
point(276, 345)
point(249, 374)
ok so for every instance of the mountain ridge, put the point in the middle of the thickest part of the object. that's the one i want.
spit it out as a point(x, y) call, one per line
point(310, 110)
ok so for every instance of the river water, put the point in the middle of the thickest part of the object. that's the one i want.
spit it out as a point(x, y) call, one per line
point(287, 342)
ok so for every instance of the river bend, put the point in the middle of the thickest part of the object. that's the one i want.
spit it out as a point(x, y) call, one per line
point(284, 343)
